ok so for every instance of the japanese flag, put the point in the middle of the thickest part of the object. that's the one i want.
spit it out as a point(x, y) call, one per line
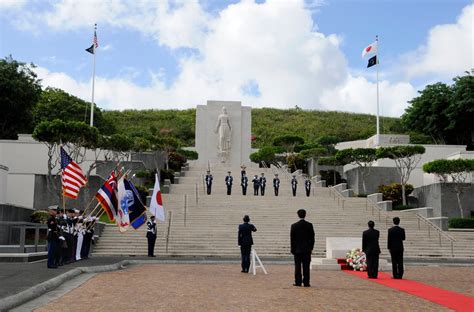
point(156, 205)
point(372, 48)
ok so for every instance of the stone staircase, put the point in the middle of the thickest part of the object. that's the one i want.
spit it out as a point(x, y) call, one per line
point(201, 225)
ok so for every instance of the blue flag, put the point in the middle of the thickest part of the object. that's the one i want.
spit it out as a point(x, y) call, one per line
point(136, 208)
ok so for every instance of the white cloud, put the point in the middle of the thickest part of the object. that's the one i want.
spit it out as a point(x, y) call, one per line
point(12, 4)
point(448, 51)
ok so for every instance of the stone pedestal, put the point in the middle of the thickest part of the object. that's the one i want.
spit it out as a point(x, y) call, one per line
point(207, 139)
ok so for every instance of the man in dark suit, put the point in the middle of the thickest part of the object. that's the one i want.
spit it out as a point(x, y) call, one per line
point(245, 242)
point(302, 244)
point(396, 236)
point(371, 248)
point(228, 182)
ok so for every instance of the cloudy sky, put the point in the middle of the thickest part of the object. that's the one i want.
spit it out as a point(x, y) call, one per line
point(275, 53)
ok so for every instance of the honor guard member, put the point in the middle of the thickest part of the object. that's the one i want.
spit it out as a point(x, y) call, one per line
point(228, 182)
point(62, 245)
point(256, 185)
point(276, 184)
point(244, 183)
point(208, 182)
point(53, 237)
point(69, 235)
point(294, 184)
point(151, 236)
point(307, 186)
point(263, 183)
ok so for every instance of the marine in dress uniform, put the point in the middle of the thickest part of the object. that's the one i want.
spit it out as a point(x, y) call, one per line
point(256, 184)
point(276, 184)
point(307, 186)
point(53, 238)
point(244, 183)
point(208, 180)
point(294, 184)
point(263, 183)
point(228, 182)
point(151, 236)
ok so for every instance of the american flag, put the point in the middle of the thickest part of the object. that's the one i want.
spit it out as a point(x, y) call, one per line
point(94, 40)
point(72, 176)
point(107, 196)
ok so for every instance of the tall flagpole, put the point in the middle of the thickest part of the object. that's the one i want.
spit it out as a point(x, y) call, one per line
point(94, 43)
point(378, 123)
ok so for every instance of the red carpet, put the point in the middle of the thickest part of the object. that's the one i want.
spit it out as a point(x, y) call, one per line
point(447, 298)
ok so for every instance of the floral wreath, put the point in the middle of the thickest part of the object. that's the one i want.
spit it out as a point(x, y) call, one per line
point(356, 259)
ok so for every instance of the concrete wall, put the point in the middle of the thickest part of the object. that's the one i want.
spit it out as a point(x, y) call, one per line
point(20, 188)
point(105, 167)
point(14, 213)
point(376, 177)
point(151, 161)
point(44, 198)
point(442, 197)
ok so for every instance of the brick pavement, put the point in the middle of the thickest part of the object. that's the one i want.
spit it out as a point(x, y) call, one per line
point(221, 287)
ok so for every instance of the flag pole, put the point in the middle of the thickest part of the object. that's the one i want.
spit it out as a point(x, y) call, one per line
point(378, 62)
point(93, 78)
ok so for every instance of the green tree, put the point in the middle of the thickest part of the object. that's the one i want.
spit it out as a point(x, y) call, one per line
point(406, 158)
point(329, 142)
point(363, 158)
point(288, 142)
point(57, 104)
point(452, 170)
point(265, 154)
point(19, 91)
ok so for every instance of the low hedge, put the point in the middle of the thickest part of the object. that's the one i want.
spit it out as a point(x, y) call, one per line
point(402, 207)
point(461, 223)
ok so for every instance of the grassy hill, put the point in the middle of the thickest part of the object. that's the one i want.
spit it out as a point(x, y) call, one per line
point(267, 123)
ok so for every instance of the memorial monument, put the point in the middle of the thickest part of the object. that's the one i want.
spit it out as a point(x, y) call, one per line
point(223, 130)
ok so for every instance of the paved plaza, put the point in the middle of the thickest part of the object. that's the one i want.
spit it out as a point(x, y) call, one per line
point(221, 287)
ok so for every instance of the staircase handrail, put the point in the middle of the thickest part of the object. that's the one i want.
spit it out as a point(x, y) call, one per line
point(420, 218)
point(337, 195)
point(379, 210)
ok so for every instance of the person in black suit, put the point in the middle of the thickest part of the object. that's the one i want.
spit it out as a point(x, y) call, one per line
point(302, 244)
point(396, 236)
point(245, 242)
point(371, 248)
point(228, 182)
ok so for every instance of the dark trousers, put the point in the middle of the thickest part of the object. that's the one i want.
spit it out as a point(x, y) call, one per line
point(69, 241)
point(52, 253)
point(86, 245)
point(209, 189)
point(255, 190)
point(229, 189)
point(151, 243)
point(276, 191)
point(308, 192)
point(372, 265)
point(262, 190)
point(245, 252)
point(302, 260)
point(397, 263)
point(244, 190)
point(294, 191)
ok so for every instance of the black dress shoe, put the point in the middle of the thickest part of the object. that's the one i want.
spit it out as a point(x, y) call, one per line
point(52, 267)
point(297, 285)
point(243, 271)
point(307, 285)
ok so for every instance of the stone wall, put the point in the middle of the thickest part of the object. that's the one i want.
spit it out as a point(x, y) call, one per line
point(14, 213)
point(442, 197)
point(376, 177)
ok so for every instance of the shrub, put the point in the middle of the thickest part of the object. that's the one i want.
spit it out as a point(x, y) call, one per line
point(190, 155)
point(39, 216)
point(402, 207)
point(461, 223)
point(166, 174)
point(143, 191)
point(393, 192)
point(143, 174)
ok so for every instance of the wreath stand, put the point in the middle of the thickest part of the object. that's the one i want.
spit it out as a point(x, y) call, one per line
point(254, 264)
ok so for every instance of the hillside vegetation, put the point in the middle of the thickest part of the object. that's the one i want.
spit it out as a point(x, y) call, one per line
point(267, 124)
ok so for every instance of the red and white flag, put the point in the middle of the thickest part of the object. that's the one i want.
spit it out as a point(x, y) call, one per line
point(371, 48)
point(156, 205)
point(72, 177)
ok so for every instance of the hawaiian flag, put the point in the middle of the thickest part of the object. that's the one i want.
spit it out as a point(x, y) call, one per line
point(72, 177)
point(107, 196)
point(156, 204)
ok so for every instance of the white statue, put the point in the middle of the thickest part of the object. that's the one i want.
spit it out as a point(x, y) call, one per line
point(224, 129)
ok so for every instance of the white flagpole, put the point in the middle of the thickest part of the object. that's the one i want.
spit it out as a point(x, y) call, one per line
point(93, 79)
point(377, 65)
